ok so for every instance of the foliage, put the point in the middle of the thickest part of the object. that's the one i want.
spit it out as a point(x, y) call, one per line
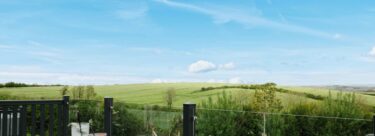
point(64, 90)
point(314, 119)
point(169, 97)
point(83, 92)
point(231, 122)
point(124, 123)
point(265, 99)
point(246, 119)
point(302, 119)
point(14, 85)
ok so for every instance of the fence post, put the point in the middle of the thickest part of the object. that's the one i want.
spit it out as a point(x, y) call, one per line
point(108, 107)
point(373, 124)
point(65, 113)
point(189, 119)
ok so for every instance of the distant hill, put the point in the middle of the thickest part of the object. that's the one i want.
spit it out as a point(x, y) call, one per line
point(189, 92)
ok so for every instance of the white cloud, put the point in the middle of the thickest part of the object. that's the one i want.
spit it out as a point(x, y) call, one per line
point(34, 74)
point(227, 66)
point(156, 81)
point(132, 14)
point(202, 66)
point(372, 52)
point(337, 36)
point(225, 16)
point(235, 80)
point(216, 81)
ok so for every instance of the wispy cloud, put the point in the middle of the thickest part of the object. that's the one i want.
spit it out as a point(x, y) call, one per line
point(66, 78)
point(35, 50)
point(147, 49)
point(159, 51)
point(6, 47)
point(372, 52)
point(132, 14)
point(224, 16)
point(227, 66)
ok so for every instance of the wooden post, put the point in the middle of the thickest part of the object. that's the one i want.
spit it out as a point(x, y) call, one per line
point(108, 107)
point(189, 119)
point(373, 124)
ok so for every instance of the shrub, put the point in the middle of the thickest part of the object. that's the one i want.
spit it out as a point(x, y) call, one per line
point(124, 123)
point(226, 122)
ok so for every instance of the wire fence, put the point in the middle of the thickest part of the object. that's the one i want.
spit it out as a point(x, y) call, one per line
point(286, 114)
point(210, 121)
point(165, 120)
point(240, 122)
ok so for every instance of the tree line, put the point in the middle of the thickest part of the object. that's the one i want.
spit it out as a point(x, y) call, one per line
point(15, 84)
point(269, 85)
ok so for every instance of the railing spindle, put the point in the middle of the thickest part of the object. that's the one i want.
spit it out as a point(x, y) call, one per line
point(14, 121)
point(23, 122)
point(42, 119)
point(51, 119)
point(59, 120)
point(5, 121)
point(33, 120)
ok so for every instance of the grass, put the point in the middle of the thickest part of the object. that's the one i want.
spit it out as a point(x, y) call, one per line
point(152, 94)
point(366, 98)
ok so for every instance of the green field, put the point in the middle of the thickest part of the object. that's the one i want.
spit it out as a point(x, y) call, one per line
point(185, 92)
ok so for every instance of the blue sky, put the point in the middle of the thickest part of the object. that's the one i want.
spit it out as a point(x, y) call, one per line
point(244, 41)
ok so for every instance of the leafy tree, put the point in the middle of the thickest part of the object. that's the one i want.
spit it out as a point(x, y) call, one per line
point(90, 92)
point(64, 90)
point(170, 96)
point(265, 99)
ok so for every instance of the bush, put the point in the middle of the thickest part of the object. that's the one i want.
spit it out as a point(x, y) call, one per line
point(229, 123)
point(124, 123)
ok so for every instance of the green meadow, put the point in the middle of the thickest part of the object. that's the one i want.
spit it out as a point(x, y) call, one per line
point(152, 94)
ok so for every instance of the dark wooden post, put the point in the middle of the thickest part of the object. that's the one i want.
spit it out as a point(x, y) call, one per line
point(373, 124)
point(189, 120)
point(65, 113)
point(108, 107)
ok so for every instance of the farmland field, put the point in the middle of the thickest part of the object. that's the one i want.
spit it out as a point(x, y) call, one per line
point(185, 92)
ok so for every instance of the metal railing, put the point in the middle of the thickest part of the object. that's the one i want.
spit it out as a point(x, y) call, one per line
point(34, 117)
point(189, 118)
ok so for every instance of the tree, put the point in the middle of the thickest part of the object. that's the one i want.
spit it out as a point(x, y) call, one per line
point(81, 91)
point(78, 92)
point(169, 97)
point(64, 90)
point(265, 99)
point(90, 92)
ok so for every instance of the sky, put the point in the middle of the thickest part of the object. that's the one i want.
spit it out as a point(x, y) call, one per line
point(315, 42)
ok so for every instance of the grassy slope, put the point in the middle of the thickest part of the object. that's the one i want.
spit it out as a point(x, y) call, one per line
point(186, 92)
point(366, 99)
